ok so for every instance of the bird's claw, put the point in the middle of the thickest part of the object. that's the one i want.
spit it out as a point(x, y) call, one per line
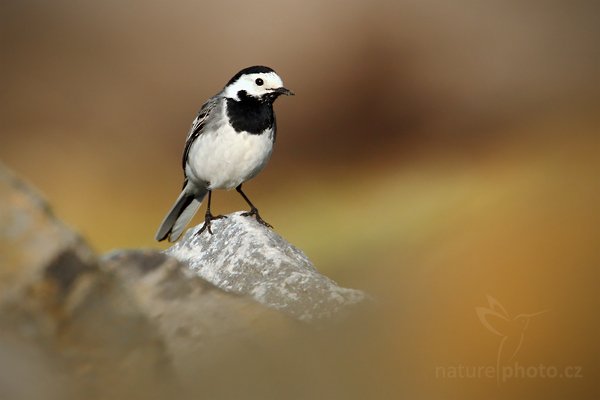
point(254, 212)
point(208, 218)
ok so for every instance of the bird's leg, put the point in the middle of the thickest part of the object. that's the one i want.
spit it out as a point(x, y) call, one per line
point(208, 217)
point(253, 210)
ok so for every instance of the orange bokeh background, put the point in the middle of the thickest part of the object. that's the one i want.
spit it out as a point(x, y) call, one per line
point(435, 153)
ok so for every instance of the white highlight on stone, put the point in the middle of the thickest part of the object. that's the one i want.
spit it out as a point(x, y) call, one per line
point(247, 258)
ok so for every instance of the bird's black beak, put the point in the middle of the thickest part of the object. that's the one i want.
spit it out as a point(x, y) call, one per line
point(283, 91)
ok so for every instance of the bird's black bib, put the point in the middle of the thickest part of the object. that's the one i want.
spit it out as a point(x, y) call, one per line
point(250, 114)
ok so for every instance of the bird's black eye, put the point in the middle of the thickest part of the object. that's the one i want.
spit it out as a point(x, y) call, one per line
point(259, 81)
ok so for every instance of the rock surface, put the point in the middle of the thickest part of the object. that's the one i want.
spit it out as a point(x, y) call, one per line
point(144, 324)
point(246, 258)
point(58, 305)
point(195, 319)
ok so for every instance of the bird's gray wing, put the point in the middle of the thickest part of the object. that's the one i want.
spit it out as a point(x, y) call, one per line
point(198, 125)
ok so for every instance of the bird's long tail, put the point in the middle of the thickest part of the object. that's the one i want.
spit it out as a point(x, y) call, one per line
point(180, 215)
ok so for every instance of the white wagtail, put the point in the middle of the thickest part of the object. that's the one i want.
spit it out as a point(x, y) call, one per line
point(230, 142)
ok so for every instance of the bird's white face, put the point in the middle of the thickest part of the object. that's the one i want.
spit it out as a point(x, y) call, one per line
point(255, 85)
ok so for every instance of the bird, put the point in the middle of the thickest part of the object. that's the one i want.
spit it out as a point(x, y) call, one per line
point(230, 142)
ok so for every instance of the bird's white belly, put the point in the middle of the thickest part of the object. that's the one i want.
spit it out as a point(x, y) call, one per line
point(225, 158)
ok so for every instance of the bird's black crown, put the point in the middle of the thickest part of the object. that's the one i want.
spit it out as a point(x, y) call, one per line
point(257, 69)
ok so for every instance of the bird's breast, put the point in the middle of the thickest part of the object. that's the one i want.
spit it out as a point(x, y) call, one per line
point(226, 158)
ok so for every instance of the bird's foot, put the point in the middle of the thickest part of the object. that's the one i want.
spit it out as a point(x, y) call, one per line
point(208, 218)
point(254, 212)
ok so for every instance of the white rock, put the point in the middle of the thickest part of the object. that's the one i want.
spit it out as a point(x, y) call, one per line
point(247, 258)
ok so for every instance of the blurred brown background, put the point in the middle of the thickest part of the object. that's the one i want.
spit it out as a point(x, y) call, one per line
point(436, 152)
